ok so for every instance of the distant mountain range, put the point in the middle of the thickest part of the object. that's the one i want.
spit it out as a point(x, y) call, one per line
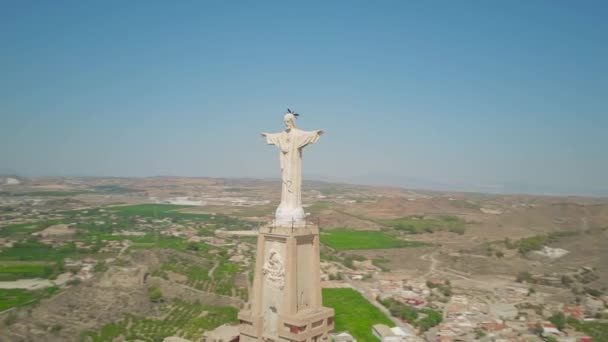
point(419, 183)
point(428, 184)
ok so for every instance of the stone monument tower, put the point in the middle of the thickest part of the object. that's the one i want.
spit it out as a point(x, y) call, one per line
point(285, 304)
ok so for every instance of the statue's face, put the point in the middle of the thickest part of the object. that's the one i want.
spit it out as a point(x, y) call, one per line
point(288, 123)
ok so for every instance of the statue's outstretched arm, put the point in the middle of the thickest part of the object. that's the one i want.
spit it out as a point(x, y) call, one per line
point(308, 137)
point(271, 138)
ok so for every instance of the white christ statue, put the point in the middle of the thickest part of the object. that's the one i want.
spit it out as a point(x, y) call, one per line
point(290, 143)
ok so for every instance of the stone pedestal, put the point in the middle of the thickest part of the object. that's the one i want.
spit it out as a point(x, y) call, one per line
point(290, 217)
point(285, 304)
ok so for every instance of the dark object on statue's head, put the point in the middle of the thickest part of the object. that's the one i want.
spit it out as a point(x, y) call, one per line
point(294, 113)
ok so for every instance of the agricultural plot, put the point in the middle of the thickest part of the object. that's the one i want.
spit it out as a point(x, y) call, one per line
point(49, 193)
point(114, 189)
point(155, 211)
point(345, 239)
point(14, 270)
point(421, 224)
point(29, 258)
point(193, 272)
point(187, 320)
point(35, 251)
point(598, 329)
point(23, 230)
point(175, 212)
point(354, 313)
point(214, 276)
point(16, 297)
point(155, 241)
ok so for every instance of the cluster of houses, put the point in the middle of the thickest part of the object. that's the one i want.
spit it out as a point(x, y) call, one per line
point(412, 292)
point(510, 313)
point(81, 269)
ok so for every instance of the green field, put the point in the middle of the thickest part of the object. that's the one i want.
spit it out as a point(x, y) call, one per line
point(420, 224)
point(344, 239)
point(182, 319)
point(537, 242)
point(354, 313)
point(16, 297)
point(162, 211)
point(50, 193)
point(155, 241)
point(221, 282)
point(35, 251)
point(21, 230)
point(159, 211)
point(115, 189)
point(14, 270)
point(598, 329)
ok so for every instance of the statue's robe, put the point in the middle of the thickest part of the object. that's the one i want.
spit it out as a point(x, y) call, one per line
point(290, 144)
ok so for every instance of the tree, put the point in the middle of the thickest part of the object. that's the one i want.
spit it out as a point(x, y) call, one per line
point(432, 319)
point(192, 246)
point(155, 294)
point(348, 262)
point(409, 313)
point(56, 328)
point(559, 320)
point(592, 292)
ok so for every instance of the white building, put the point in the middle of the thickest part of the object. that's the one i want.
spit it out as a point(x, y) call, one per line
point(343, 337)
point(395, 334)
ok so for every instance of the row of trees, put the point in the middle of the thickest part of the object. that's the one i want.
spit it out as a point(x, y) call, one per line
point(423, 319)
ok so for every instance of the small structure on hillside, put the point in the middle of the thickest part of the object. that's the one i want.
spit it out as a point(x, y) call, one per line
point(223, 333)
point(394, 334)
point(549, 329)
point(552, 253)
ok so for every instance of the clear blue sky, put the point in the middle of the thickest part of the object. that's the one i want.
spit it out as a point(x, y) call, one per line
point(471, 95)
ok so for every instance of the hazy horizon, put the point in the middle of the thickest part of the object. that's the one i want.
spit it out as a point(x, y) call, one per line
point(414, 184)
point(468, 96)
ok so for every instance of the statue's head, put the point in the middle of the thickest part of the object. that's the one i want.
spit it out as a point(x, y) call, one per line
point(290, 120)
